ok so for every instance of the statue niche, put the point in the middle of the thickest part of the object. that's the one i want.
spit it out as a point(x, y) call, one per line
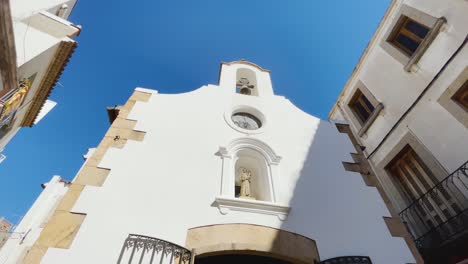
point(243, 187)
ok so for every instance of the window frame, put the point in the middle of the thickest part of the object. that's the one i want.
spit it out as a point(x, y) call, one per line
point(360, 125)
point(400, 29)
point(387, 180)
point(448, 99)
point(432, 23)
point(462, 93)
point(359, 99)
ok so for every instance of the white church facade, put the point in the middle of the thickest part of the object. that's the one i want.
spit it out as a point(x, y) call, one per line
point(225, 173)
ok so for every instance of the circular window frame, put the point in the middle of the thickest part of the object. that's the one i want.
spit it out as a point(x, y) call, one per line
point(249, 110)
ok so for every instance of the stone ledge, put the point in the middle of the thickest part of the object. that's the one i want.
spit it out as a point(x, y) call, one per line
point(225, 204)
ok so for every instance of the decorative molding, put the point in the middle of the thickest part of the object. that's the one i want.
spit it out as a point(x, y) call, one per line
point(247, 109)
point(251, 143)
point(425, 43)
point(242, 61)
point(225, 204)
point(52, 75)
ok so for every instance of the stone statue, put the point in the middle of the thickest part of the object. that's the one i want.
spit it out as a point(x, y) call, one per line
point(245, 177)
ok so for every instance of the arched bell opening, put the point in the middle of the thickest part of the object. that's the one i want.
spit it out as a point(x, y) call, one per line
point(246, 82)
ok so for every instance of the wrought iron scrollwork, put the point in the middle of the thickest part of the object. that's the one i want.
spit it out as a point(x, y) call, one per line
point(348, 260)
point(144, 249)
point(445, 204)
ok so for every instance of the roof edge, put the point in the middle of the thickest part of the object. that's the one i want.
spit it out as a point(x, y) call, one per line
point(363, 56)
point(51, 77)
point(242, 61)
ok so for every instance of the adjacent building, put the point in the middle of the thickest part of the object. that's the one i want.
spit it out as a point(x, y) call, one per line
point(405, 107)
point(225, 173)
point(36, 44)
point(28, 230)
point(5, 227)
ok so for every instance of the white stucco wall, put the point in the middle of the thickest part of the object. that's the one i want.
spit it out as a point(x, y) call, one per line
point(167, 183)
point(21, 9)
point(30, 227)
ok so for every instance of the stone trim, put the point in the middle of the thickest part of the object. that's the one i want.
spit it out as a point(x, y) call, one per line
point(421, 17)
point(378, 107)
point(446, 101)
point(225, 204)
point(394, 223)
point(52, 75)
point(430, 37)
point(61, 230)
point(398, 229)
point(355, 167)
point(260, 240)
point(7, 46)
point(371, 119)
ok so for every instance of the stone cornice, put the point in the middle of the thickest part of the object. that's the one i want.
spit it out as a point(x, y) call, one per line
point(52, 75)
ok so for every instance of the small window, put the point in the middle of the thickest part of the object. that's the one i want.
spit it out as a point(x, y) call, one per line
point(461, 97)
point(361, 106)
point(408, 35)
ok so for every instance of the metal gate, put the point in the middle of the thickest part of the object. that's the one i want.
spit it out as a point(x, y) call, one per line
point(348, 260)
point(138, 249)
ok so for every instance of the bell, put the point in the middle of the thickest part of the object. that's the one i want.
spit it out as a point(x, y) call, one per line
point(245, 91)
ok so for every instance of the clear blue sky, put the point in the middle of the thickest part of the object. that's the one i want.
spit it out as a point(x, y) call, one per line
point(174, 46)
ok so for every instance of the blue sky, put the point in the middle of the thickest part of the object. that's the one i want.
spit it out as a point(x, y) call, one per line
point(311, 47)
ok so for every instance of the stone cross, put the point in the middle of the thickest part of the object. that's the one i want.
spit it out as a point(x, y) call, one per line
point(244, 83)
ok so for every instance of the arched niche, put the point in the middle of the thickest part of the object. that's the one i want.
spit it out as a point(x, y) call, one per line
point(246, 82)
point(247, 159)
point(262, 163)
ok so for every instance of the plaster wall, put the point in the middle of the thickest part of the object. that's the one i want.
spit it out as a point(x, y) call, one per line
point(30, 227)
point(433, 127)
point(429, 123)
point(167, 183)
point(21, 9)
point(386, 79)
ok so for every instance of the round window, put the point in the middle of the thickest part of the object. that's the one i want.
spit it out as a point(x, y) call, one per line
point(246, 121)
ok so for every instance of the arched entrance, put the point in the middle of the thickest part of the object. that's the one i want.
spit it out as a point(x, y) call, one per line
point(226, 243)
point(235, 258)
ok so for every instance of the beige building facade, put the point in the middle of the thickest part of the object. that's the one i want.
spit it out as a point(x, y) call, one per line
point(36, 41)
point(406, 108)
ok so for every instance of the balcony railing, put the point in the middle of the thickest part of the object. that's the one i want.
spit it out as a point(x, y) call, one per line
point(441, 214)
point(143, 249)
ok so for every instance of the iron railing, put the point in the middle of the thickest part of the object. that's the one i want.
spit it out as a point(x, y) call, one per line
point(441, 214)
point(143, 249)
point(348, 260)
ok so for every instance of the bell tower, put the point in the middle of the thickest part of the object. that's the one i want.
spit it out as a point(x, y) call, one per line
point(247, 78)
